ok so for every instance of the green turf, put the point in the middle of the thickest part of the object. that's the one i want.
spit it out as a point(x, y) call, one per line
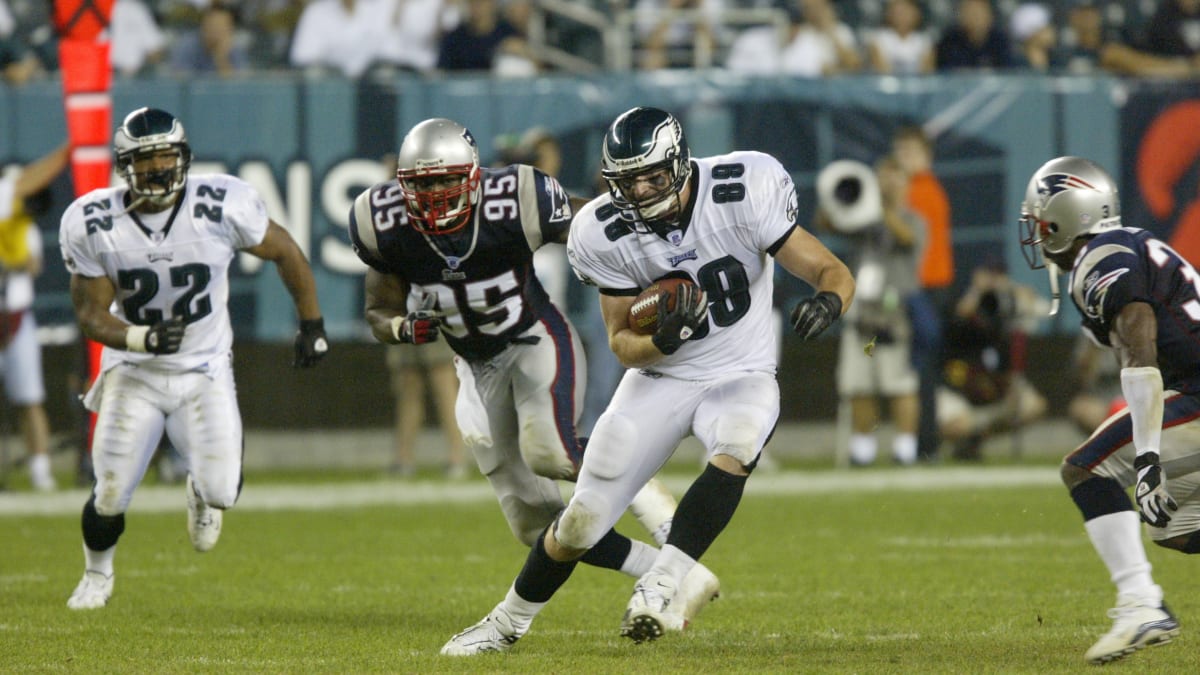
point(948, 581)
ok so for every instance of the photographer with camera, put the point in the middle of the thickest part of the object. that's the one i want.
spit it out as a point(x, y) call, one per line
point(874, 360)
point(984, 391)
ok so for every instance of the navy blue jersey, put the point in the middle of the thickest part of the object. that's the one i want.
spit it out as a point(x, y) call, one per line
point(1127, 265)
point(482, 275)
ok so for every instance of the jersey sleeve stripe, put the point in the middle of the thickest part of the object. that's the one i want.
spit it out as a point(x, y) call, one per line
point(774, 248)
point(362, 225)
point(531, 221)
point(623, 292)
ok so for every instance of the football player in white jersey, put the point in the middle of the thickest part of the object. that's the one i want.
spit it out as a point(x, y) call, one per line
point(149, 264)
point(1141, 300)
point(709, 370)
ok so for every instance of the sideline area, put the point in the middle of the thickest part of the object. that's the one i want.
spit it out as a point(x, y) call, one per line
point(272, 497)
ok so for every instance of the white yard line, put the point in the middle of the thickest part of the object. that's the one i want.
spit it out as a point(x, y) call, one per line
point(167, 498)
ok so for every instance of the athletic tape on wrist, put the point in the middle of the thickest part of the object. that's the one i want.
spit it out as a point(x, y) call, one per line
point(135, 338)
point(397, 326)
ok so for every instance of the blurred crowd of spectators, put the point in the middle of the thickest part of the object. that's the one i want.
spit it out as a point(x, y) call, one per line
point(804, 38)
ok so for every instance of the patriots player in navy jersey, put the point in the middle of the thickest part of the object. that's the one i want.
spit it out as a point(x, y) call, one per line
point(449, 247)
point(1139, 298)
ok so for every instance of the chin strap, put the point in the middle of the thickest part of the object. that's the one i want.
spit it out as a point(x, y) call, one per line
point(1055, 294)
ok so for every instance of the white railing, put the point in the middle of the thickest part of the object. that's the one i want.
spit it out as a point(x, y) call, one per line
point(617, 32)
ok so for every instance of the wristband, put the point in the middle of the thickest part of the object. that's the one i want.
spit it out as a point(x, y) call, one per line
point(1143, 391)
point(135, 338)
point(312, 325)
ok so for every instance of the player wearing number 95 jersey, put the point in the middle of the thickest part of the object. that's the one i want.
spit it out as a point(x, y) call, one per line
point(709, 370)
point(449, 247)
point(1138, 297)
point(149, 264)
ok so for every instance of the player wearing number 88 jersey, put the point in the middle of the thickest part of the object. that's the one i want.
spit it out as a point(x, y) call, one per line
point(708, 370)
point(149, 264)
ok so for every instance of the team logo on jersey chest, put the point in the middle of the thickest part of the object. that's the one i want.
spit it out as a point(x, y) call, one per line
point(682, 257)
point(156, 256)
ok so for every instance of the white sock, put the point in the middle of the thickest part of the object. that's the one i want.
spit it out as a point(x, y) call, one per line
point(640, 560)
point(99, 561)
point(1117, 537)
point(520, 611)
point(863, 448)
point(673, 563)
point(39, 466)
point(654, 507)
point(904, 448)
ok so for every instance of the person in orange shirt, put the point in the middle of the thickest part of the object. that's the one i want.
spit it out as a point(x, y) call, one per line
point(927, 308)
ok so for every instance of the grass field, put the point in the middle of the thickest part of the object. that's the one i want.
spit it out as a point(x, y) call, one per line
point(931, 570)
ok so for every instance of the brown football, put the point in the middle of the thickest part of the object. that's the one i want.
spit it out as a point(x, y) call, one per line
point(643, 313)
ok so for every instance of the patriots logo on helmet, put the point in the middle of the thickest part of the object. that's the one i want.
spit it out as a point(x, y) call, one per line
point(1095, 289)
point(1055, 183)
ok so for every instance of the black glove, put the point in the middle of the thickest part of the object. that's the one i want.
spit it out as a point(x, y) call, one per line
point(813, 315)
point(1155, 504)
point(311, 343)
point(165, 337)
point(420, 327)
point(675, 326)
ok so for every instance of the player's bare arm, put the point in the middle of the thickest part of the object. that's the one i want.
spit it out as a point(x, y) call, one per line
point(278, 247)
point(385, 300)
point(91, 297)
point(1134, 336)
point(631, 349)
point(804, 256)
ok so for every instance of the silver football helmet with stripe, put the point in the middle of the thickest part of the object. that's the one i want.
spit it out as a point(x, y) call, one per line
point(439, 175)
point(1067, 198)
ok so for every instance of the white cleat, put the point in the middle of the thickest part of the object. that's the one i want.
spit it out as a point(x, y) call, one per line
point(1134, 626)
point(699, 588)
point(204, 522)
point(93, 591)
point(494, 634)
point(647, 617)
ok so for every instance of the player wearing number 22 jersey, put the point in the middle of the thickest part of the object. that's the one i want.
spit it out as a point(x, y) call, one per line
point(149, 264)
point(449, 246)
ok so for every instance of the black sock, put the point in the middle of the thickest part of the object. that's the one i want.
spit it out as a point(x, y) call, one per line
point(100, 533)
point(1099, 496)
point(705, 510)
point(610, 552)
point(542, 575)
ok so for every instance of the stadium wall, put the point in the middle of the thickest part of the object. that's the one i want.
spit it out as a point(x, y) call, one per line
point(311, 144)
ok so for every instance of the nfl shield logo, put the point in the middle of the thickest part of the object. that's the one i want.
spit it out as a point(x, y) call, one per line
point(675, 237)
point(453, 262)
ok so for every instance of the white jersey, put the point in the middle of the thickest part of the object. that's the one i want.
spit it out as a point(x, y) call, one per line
point(179, 267)
point(744, 207)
